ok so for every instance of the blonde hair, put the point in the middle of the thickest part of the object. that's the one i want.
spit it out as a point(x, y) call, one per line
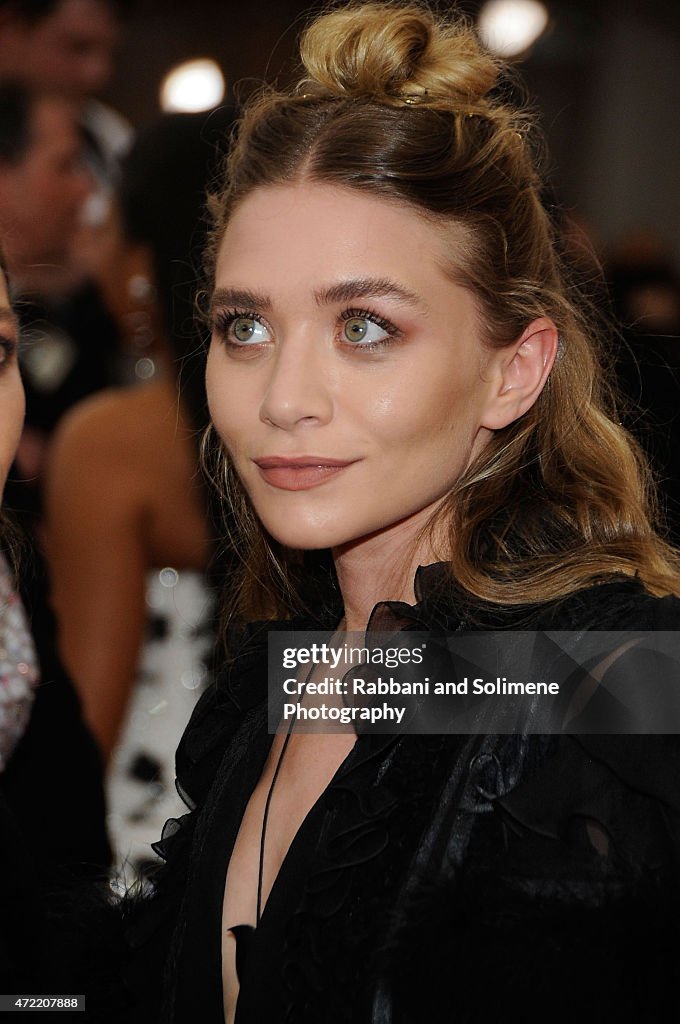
point(403, 104)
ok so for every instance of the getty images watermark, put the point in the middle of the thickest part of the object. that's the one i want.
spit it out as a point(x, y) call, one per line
point(476, 682)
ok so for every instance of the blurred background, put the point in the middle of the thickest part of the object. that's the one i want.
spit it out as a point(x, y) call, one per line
point(605, 74)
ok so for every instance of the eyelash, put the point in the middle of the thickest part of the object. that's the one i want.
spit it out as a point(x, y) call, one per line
point(223, 320)
point(393, 332)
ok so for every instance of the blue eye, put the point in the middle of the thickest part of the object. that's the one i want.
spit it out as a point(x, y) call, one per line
point(246, 330)
point(359, 330)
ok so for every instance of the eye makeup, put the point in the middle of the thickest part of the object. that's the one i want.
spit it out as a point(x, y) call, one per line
point(226, 325)
point(241, 329)
point(357, 325)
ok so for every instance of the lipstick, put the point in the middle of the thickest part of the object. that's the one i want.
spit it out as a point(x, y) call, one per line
point(299, 473)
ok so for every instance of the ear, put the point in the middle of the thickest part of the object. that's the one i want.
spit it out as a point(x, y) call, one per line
point(521, 372)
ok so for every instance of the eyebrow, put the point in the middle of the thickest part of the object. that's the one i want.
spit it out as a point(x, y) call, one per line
point(366, 288)
point(239, 297)
point(344, 291)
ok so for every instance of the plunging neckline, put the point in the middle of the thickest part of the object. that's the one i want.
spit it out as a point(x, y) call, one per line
point(248, 936)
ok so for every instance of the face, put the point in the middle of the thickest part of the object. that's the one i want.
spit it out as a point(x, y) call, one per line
point(11, 390)
point(346, 374)
point(114, 263)
point(42, 195)
point(72, 48)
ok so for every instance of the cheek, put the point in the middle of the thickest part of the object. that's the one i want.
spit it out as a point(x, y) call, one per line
point(435, 418)
point(20, 407)
point(11, 416)
point(230, 410)
point(213, 391)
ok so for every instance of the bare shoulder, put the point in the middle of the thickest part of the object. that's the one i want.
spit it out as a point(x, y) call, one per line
point(124, 426)
point(127, 459)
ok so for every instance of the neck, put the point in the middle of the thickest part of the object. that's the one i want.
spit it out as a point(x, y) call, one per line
point(381, 567)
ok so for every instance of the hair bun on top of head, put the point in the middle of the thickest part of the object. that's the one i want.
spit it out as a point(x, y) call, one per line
point(395, 53)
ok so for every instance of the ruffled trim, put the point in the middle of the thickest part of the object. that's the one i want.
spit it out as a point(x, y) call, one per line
point(620, 789)
point(376, 805)
point(240, 687)
point(356, 832)
point(376, 802)
point(440, 605)
point(621, 603)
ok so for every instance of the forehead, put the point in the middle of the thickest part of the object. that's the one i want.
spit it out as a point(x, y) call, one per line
point(75, 29)
point(321, 230)
point(81, 22)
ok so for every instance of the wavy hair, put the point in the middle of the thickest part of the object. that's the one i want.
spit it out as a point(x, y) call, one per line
point(400, 103)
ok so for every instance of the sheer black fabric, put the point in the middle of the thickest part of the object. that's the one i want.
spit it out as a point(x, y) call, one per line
point(438, 878)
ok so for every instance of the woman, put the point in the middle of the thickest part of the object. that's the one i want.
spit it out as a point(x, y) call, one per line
point(52, 831)
point(16, 687)
point(16, 692)
point(399, 375)
point(128, 531)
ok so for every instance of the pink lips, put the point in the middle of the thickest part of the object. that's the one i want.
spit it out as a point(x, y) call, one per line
point(300, 473)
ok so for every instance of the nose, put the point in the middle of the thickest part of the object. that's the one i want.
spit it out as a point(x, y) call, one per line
point(298, 391)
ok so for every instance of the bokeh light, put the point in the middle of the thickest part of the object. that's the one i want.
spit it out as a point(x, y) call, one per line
point(510, 27)
point(192, 86)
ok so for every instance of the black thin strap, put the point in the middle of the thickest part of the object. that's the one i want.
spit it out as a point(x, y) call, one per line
point(265, 816)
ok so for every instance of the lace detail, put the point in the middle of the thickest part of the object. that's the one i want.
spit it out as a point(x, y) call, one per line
point(18, 667)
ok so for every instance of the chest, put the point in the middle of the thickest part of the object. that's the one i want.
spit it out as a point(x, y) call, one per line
point(296, 774)
point(334, 890)
point(291, 783)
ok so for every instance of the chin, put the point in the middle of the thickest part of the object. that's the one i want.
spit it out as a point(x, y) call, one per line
point(305, 535)
point(304, 540)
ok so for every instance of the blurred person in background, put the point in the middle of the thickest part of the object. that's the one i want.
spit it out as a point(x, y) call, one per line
point(18, 668)
point(127, 525)
point(69, 46)
point(67, 345)
point(65, 48)
point(43, 184)
point(52, 830)
point(53, 780)
point(18, 674)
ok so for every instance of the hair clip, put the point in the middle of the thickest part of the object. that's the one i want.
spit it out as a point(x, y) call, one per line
point(412, 98)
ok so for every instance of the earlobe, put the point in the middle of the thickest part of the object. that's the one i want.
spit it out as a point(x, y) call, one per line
point(522, 371)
